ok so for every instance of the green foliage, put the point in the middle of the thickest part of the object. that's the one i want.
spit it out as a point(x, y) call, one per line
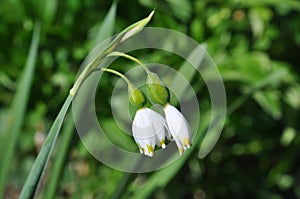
point(14, 120)
point(255, 45)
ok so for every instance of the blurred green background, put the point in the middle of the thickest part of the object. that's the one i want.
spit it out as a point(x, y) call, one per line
point(256, 46)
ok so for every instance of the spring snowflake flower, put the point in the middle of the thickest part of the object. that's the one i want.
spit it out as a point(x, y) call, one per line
point(148, 129)
point(179, 127)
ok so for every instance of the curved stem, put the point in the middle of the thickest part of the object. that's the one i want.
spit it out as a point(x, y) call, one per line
point(124, 35)
point(116, 53)
point(118, 74)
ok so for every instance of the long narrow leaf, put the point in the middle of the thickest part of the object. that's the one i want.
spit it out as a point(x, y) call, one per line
point(107, 27)
point(41, 161)
point(17, 111)
point(60, 159)
point(105, 31)
point(43, 157)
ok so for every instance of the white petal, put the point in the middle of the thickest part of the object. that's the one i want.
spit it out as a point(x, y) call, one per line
point(159, 124)
point(178, 126)
point(143, 131)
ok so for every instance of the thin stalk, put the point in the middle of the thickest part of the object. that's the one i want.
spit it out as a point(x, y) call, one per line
point(116, 53)
point(118, 74)
point(124, 35)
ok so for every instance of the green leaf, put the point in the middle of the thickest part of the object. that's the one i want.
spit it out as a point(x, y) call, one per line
point(270, 102)
point(105, 31)
point(198, 57)
point(60, 159)
point(181, 8)
point(41, 161)
point(16, 115)
point(107, 27)
point(288, 135)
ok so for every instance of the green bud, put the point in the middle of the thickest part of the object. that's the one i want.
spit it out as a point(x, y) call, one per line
point(136, 27)
point(136, 97)
point(158, 93)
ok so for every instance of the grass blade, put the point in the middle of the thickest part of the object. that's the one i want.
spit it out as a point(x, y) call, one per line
point(17, 111)
point(107, 28)
point(60, 159)
point(40, 163)
point(105, 31)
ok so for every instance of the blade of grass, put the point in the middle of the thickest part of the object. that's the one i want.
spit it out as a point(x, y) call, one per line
point(184, 70)
point(40, 163)
point(122, 185)
point(60, 159)
point(107, 27)
point(105, 31)
point(17, 111)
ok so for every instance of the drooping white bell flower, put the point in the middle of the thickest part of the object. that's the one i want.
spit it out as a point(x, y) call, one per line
point(179, 127)
point(148, 129)
point(159, 123)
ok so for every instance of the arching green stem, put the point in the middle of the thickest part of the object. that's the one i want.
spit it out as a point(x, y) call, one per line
point(124, 35)
point(118, 74)
point(136, 97)
point(116, 53)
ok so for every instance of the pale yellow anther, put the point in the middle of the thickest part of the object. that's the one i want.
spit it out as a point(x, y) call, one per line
point(150, 149)
point(186, 142)
point(180, 150)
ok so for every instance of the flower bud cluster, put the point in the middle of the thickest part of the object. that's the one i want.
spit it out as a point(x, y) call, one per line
point(150, 128)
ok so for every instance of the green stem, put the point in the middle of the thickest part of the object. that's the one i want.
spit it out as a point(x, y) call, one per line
point(118, 74)
point(86, 72)
point(116, 53)
point(124, 35)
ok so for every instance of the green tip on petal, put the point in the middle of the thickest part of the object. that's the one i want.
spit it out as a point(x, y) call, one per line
point(158, 93)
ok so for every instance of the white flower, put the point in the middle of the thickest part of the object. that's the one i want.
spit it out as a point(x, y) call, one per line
point(179, 128)
point(148, 129)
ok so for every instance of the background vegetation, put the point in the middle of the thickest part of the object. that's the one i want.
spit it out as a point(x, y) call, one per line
point(256, 46)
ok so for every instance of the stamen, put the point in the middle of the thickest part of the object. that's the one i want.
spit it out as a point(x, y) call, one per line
point(149, 150)
point(186, 142)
